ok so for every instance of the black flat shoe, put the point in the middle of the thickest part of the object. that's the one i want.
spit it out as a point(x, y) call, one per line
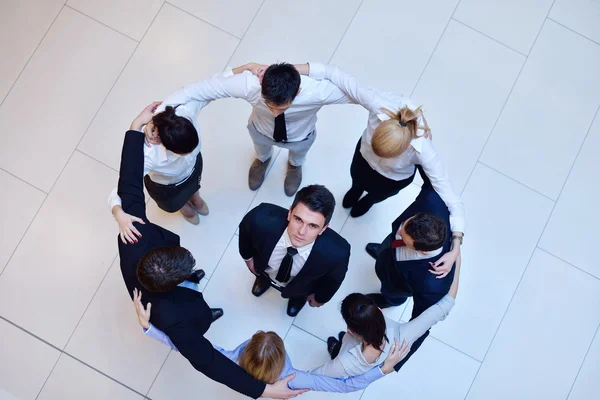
point(373, 249)
point(331, 345)
point(216, 313)
point(351, 198)
point(260, 286)
point(379, 300)
point(294, 307)
point(361, 208)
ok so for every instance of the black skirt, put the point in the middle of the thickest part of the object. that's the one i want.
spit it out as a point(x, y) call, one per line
point(366, 178)
point(172, 198)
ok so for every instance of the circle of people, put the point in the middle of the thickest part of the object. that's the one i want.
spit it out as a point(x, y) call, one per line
point(293, 251)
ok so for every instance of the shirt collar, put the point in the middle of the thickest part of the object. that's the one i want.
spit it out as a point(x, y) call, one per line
point(430, 254)
point(303, 251)
point(165, 155)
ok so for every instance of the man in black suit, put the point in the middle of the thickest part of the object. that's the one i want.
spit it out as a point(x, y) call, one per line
point(294, 250)
point(419, 238)
point(157, 265)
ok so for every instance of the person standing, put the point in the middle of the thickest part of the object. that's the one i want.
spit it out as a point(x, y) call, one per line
point(295, 251)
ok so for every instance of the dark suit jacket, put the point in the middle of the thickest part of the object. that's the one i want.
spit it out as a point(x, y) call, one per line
point(325, 268)
point(412, 278)
point(181, 313)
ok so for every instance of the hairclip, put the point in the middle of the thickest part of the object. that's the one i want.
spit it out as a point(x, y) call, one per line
point(402, 123)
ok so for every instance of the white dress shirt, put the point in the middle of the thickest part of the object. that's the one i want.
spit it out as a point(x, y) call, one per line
point(300, 118)
point(421, 150)
point(280, 251)
point(405, 253)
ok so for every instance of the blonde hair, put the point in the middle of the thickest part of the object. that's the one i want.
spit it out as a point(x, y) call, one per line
point(264, 356)
point(392, 137)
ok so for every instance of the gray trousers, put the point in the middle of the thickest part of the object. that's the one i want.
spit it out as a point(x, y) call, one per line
point(263, 146)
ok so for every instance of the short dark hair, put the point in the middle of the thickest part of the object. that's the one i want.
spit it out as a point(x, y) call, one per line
point(318, 199)
point(176, 133)
point(427, 230)
point(280, 84)
point(364, 318)
point(163, 268)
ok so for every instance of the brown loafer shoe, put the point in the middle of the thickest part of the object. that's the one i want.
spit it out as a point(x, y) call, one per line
point(256, 175)
point(293, 179)
point(203, 210)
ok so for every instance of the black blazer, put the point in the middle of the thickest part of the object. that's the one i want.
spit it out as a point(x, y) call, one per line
point(413, 278)
point(325, 268)
point(181, 313)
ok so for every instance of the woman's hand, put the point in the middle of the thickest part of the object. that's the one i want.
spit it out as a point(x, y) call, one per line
point(142, 313)
point(127, 231)
point(397, 354)
point(443, 266)
point(145, 116)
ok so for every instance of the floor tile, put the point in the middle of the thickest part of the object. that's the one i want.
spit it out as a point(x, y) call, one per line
point(224, 184)
point(279, 31)
point(327, 321)
point(189, 50)
point(420, 377)
point(380, 47)
point(25, 364)
point(307, 352)
point(179, 380)
point(69, 76)
point(219, 13)
point(72, 380)
point(16, 16)
point(587, 385)
point(494, 205)
point(338, 130)
point(515, 23)
point(230, 289)
point(537, 321)
point(67, 249)
point(573, 227)
point(564, 64)
point(462, 91)
point(110, 339)
point(132, 18)
point(19, 204)
point(579, 15)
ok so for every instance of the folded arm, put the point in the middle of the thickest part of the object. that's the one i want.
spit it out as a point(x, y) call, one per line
point(307, 380)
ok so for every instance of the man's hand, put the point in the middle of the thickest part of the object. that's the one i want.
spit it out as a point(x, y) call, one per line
point(280, 389)
point(426, 129)
point(126, 228)
point(257, 69)
point(145, 116)
point(312, 302)
point(396, 354)
point(250, 265)
point(443, 266)
point(142, 313)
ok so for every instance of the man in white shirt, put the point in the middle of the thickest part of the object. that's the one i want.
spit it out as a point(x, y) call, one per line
point(284, 113)
point(294, 251)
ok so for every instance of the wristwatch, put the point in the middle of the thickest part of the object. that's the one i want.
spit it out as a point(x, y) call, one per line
point(459, 238)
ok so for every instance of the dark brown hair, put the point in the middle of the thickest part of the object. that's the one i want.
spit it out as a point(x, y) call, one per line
point(364, 318)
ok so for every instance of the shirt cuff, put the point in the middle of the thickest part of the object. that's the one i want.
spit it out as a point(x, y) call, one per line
point(227, 73)
point(251, 258)
point(457, 224)
point(316, 70)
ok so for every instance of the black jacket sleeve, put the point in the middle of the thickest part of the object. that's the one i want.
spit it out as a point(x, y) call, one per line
point(246, 245)
point(203, 357)
point(131, 175)
point(329, 284)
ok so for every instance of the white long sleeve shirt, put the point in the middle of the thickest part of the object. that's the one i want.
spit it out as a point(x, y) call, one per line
point(421, 150)
point(280, 251)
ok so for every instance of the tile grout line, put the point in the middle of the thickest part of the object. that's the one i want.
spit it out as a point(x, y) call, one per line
point(433, 51)
point(102, 23)
point(96, 160)
point(32, 54)
point(307, 332)
point(583, 361)
point(487, 36)
point(574, 31)
point(457, 350)
point(244, 35)
point(568, 263)
point(49, 375)
point(515, 181)
point(202, 20)
point(345, 31)
point(24, 181)
point(160, 369)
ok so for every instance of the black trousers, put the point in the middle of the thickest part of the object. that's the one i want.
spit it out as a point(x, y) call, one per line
point(172, 198)
point(366, 179)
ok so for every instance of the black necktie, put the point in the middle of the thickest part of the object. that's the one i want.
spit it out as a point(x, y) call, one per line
point(280, 132)
point(285, 269)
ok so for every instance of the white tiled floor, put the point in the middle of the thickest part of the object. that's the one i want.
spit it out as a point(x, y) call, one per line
point(511, 89)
